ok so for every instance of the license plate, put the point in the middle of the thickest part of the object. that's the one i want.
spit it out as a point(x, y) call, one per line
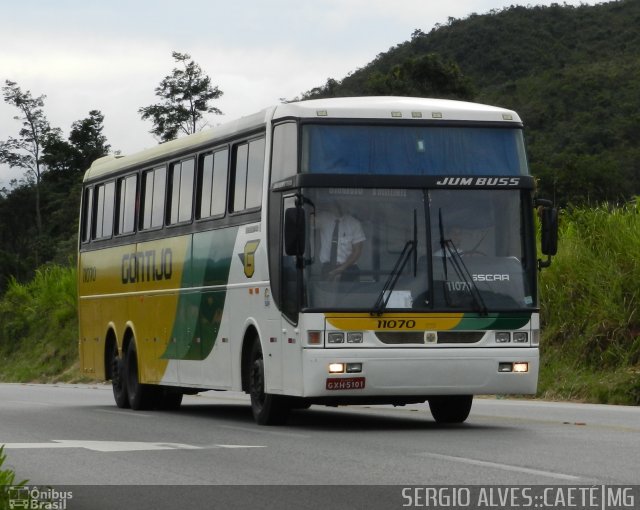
point(349, 383)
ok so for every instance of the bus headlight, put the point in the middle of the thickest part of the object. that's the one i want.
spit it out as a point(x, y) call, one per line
point(520, 337)
point(354, 337)
point(335, 337)
point(503, 337)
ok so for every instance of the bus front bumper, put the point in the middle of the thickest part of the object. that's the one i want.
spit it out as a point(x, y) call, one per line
point(419, 372)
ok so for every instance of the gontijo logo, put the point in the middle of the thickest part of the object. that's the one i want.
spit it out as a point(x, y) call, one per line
point(147, 266)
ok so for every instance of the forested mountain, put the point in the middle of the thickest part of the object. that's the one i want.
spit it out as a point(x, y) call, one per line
point(572, 73)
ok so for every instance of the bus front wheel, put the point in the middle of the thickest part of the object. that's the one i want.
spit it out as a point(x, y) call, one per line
point(450, 408)
point(267, 409)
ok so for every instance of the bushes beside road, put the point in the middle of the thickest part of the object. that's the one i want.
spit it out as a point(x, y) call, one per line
point(38, 327)
point(590, 300)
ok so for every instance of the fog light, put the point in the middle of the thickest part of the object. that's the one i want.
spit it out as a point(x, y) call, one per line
point(354, 368)
point(503, 337)
point(354, 337)
point(521, 367)
point(336, 338)
point(505, 367)
point(336, 368)
point(521, 337)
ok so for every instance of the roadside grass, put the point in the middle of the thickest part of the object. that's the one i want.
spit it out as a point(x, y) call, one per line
point(590, 296)
point(38, 328)
point(7, 481)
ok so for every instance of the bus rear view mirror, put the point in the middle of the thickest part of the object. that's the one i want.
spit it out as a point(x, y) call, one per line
point(294, 231)
point(549, 226)
point(549, 238)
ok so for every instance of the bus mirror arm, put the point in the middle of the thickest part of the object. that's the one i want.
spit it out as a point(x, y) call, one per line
point(294, 231)
point(549, 225)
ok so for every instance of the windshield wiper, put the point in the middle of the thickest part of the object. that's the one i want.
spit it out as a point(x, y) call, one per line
point(410, 247)
point(462, 271)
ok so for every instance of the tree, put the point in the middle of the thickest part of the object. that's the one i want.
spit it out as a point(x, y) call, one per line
point(26, 151)
point(185, 95)
point(425, 76)
point(23, 247)
point(86, 144)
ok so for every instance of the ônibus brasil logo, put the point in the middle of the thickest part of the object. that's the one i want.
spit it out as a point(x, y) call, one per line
point(37, 498)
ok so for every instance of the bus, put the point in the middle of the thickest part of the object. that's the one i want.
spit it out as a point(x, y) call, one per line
point(205, 262)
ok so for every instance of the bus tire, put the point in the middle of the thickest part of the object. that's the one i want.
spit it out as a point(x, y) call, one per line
point(267, 409)
point(450, 408)
point(118, 379)
point(141, 396)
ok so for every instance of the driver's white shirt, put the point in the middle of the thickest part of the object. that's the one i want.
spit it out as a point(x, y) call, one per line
point(349, 233)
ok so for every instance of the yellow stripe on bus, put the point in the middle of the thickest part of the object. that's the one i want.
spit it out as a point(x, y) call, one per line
point(394, 321)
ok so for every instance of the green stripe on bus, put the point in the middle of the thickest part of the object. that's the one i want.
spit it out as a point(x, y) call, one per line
point(493, 321)
point(199, 312)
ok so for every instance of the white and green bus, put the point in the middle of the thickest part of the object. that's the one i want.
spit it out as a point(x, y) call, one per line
point(203, 263)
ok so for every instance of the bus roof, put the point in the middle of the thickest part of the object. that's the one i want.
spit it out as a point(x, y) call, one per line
point(112, 163)
point(394, 108)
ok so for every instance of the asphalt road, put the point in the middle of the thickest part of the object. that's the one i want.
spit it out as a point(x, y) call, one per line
point(70, 435)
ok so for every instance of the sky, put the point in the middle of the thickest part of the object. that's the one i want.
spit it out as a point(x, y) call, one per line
point(110, 56)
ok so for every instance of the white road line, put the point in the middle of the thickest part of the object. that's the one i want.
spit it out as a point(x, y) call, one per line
point(506, 467)
point(233, 446)
point(118, 446)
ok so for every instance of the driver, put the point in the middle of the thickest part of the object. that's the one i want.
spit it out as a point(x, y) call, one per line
point(341, 241)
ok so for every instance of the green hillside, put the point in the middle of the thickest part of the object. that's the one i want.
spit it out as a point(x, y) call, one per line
point(573, 74)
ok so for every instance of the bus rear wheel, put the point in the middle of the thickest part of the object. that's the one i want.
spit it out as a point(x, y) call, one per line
point(118, 379)
point(267, 409)
point(450, 408)
point(141, 396)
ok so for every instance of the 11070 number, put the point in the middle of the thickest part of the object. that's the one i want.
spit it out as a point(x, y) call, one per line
point(396, 324)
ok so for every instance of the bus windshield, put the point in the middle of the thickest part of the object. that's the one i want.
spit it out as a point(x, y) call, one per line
point(413, 150)
point(395, 249)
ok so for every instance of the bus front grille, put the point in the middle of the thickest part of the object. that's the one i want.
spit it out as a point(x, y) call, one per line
point(414, 337)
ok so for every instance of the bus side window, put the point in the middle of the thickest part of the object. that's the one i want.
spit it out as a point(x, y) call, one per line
point(180, 191)
point(255, 172)
point(87, 207)
point(284, 158)
point(212, 184)
point(103, 211)
point(126, 204)
point(152, 196)
point(247, 177)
